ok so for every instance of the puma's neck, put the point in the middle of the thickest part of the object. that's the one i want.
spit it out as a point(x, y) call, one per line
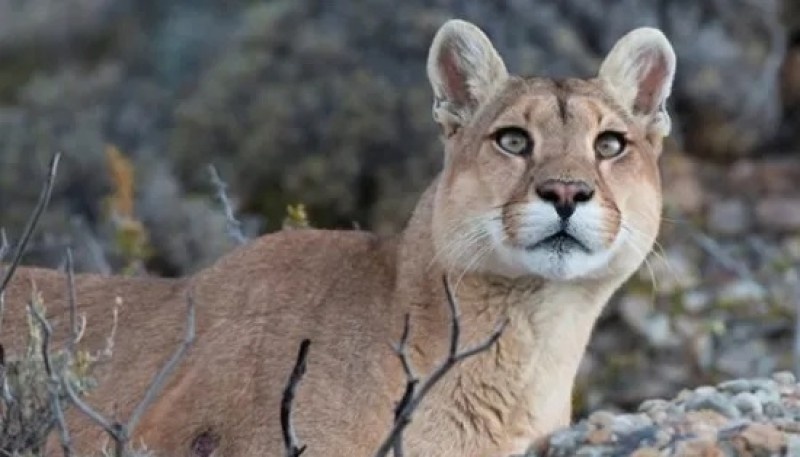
point(521, 388)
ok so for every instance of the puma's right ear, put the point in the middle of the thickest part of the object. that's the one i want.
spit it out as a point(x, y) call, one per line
point(464, 70)
point(640, 69)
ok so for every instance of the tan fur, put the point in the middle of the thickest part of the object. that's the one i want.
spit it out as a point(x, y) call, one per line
point(349, 291)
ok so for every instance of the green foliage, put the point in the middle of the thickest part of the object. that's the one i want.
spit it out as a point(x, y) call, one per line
point(27, 416)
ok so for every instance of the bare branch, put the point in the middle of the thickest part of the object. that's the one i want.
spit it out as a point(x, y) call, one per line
point(44, 199)
point(158, 382)
point(713, 249)
point(411, 381)
point(119, 432)
point(4, 246)
point(72, 303)
point(796, 297)
point(88, 411)
point(234, 225)
point(401, 349)
point(412, 396)
point(53, 381)
point(293, 449)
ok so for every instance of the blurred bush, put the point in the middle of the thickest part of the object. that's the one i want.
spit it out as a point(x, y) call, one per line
point(321, 102)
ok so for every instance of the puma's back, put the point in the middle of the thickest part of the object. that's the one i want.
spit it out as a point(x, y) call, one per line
point(251, 314)
point(548, 199)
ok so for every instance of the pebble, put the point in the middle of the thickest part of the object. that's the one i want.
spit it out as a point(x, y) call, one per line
point(784, 377)
point(729, 217)
point(778, 213)
point(736, 385)
point(714, 402)
point(748, 403)
point(653, 405)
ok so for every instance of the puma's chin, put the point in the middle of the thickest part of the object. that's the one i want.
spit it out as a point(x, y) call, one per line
point(558, 260)
point(557, 257)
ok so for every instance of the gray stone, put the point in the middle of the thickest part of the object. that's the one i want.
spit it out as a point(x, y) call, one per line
point(714, 402)
point(728, 217)
point(742, 292)
point(696, 301)
point(736, 385)
point(748, 404)
point(653, 405)
point(705, 391)
point(784, 377)
point(780, 214)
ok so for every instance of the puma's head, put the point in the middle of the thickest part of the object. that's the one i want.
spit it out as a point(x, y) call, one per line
point(555, 178)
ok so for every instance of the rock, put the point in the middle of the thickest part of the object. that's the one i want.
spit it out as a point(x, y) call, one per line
point(778, 214)
point(705, 391)
point(705, 448)
point(653, 405)
point(601, 419)
point(736, 385)
point(759, 438)
point(784, 377)
point(728, 217)
point(742, 291)
point(748, 404)
point(793, 445)
point(628, 423)
point(647, 452)
point(696, 301)
point(600, 436)
point(713, 402)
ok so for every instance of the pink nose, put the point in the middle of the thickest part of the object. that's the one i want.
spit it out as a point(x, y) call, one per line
point(564, 195)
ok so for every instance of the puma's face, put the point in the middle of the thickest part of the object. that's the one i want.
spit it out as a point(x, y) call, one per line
point(551, 178)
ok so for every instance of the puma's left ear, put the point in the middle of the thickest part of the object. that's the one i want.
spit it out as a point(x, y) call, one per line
point(464, 70)
point(639, 70)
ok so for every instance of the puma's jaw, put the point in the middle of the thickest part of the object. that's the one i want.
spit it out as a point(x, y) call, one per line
point(542, 244)
point(551, 178)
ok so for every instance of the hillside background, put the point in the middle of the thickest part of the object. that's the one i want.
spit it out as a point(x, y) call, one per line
point(326, 103)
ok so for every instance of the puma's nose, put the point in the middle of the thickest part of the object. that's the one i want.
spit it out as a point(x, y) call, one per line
point(564, 195)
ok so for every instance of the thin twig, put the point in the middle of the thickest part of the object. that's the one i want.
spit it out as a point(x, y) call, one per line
point(796, 297)
point(411, 381)
point(158, 382)
point(4, 247)
point(412, 397)
point(74, 332)
point(119, 432)
point(44, 199)
point(713, 249)
point(234, 225)
point(293, 449)
point(52, 381)
point(89, 412)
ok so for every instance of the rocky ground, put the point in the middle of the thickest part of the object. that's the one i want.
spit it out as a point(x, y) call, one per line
point(719, 297)
point(737, 418)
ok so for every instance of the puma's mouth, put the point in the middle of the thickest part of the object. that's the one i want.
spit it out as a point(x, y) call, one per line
point(560, 243)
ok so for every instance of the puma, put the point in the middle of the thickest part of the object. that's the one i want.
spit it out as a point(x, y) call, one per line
point(548, 200)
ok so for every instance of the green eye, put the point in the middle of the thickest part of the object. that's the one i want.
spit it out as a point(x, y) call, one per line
point(514, 140)
point(609, 144)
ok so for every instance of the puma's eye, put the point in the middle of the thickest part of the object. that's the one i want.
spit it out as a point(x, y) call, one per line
point(514, 140)
point(609, 144)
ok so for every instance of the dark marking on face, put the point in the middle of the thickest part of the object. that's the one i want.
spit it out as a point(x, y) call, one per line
point(204, 444)
point(561, 93)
